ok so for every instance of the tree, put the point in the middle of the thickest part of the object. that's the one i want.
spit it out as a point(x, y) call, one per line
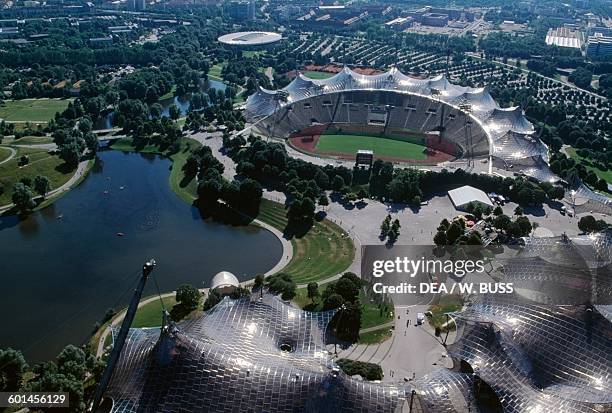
point(85, 125)
point(385, 226)
point(12, 368)
point(348, 321)
point(514, 230)
point(212, 300)
point(283, 284)
point(590, 224)
point(42, 185)
point(323, 200)
point(337, 183)
point(453, 233)
point(333, 301)
point(518, 211)
point(22, 197)
point(313, 290)
point(502, 221)
point(301, 210)
point(91, 142)
point(259, 281)
point(498, 211)
point(525, 225)
point(188, 296)
point(66, 375)
point(440, 238)
point(362, 193)
point(174, 112)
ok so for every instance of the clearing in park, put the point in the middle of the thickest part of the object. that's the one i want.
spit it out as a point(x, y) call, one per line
point(32, 110)
point(383, 147)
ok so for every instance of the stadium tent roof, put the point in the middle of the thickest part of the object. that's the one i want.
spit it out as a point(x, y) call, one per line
point(462, 196)
point(539, 348)
point(511, 136)
point(224, 279)
point(249, 38)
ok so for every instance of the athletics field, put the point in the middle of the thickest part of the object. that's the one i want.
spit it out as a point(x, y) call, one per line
point(406, 148)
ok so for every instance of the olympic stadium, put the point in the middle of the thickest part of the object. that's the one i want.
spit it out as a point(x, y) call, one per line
point(249, 39)
point(450, 122)
point(543, 348)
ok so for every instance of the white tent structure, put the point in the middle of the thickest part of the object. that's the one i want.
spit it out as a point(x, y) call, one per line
point(461, 197)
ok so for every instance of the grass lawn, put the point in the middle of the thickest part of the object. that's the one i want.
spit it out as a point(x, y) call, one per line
point(29, 140)
point(372, 315)
point(33, 110)
point(169, 94)
point(444, 304)
point(324, 251)
point(4, 153)
point(253, 53)
point(606, 175)
point(150, 314)
point(381, 146)
point(317, 75)
point(41, 163)
point(215, 71)
point(375, 337)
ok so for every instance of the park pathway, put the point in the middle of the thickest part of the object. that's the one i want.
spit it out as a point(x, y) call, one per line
point(81, 170)
point(11, 155)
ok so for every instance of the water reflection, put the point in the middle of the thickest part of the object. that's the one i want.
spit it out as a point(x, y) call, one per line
point(65, 266)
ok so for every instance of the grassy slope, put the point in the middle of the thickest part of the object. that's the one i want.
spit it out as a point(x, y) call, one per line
point(4, 153)
point(380, 145)
point(29, 140)
point(317, 75)
point(41, 163)
point(371, 315)
point(324, 251)
point(169, 94)
point(445, 304)
point(33, 110)
point(215, 71)
point(150, 314)
point(607, 175)
point(375, 337)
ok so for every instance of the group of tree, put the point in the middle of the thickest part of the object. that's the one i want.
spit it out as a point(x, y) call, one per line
point(344, 295)
point(281, 283)
point(243, 196)
point(23, 192)
point(569, 169)
point(368, 371)
point(589, 223)
point(188, 299)
point(73, 369)
point(390, 229)
point(455, 233)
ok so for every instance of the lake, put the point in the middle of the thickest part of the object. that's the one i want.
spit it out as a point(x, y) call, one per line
point(63, 267)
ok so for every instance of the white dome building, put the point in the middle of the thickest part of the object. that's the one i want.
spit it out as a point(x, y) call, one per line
point(224, 282)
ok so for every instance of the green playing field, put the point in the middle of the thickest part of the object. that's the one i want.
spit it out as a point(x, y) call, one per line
point(382, 146)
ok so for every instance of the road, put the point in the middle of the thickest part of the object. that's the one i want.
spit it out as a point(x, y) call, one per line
point(412, 351)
